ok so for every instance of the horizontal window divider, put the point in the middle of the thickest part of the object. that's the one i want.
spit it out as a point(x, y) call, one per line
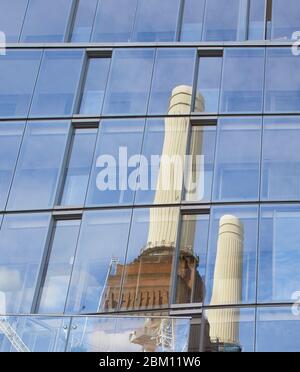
point(210, 52)
point(99, 53)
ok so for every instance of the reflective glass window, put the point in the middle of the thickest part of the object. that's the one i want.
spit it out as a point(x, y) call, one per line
point(53, 95)
point(279, 253)
point(12, 14)
point(277, 330)
point(192, 20)
point(46, 21)
point(83, 22)
point(10, 140)
point(238, 154)
point(150, 255)
point(129, 82)
point(281, 169)
point(192, 258)
point(282, 92)
point(174, 68)
point(18, 73)
point(231, 261)
point(54, 288)
point(22, 242)
point(116, 162)
point(94, 86)
point(156, 20)
point(256, 20)
point(285, 19)
point(39, 165)
point(99, 263)
point(79, 166)
point(114, 20)
point(228, 330)
point(243, 78)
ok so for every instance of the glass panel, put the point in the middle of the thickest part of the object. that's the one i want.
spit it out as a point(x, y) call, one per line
point(98, 267)
point(54, 289)
point(114, 20)
point(79, 166)
point(173, 68)
point(282, 92)
point(231, 268)
point(83, 23)
point(39, 165)
point(129, 82)
point(256, 22)
point(46, 21)
point(12, 14)
point(201, 169)
point(18, 72)
point(279, 256)
point(10, 140)
point(277, 330)
point(208, 84)
point(156, 20)
point(285, 19)
point(192, 21)
point(53, 95)
point(281, 169)
point(94, 86)
point(192, 259)
point(238, 154)
point(148, 268)
point(116, 162)
point(242, 83)
point(229, 330)
point(22, 243)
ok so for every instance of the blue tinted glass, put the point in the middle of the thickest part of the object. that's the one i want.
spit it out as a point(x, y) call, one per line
point(232, 252)
point(281, 169)
point(156, 20)
point(243, 78)
point(98, 267)
point(279, 253)
point(18, 72)
point(129, 82)
point(46, 21)
point(256, 21)
point(39, 165)
point(192, 21)
point(116, 162)
point(79, 166)
point(12, 14)
point(282, 92)
point(285, 19)
point(237, 168)
point(10, 141)
point(114, 20)
point(22, 243)
point(84, 20)
point(173, 68)
point(54, 95)
point(94, 86)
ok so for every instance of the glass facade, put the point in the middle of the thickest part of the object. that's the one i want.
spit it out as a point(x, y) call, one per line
point(149, 165)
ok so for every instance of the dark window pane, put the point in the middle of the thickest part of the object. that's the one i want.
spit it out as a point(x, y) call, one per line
point(129, 82)
point(39, 166)
point(54, 95)
point(285, 19)
point(192, 21)
point(173, 68)
point(83, 23)
point(46, 21)
point(98, 267)
point(238, 154)
point(242, 83)
point(10, 140)
point(156, 20)
point(18, 73)
point(22, 243)
point(11, 18)
point(79, 166)
point(116, 162)
point(114, 20)
point(94, 87)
